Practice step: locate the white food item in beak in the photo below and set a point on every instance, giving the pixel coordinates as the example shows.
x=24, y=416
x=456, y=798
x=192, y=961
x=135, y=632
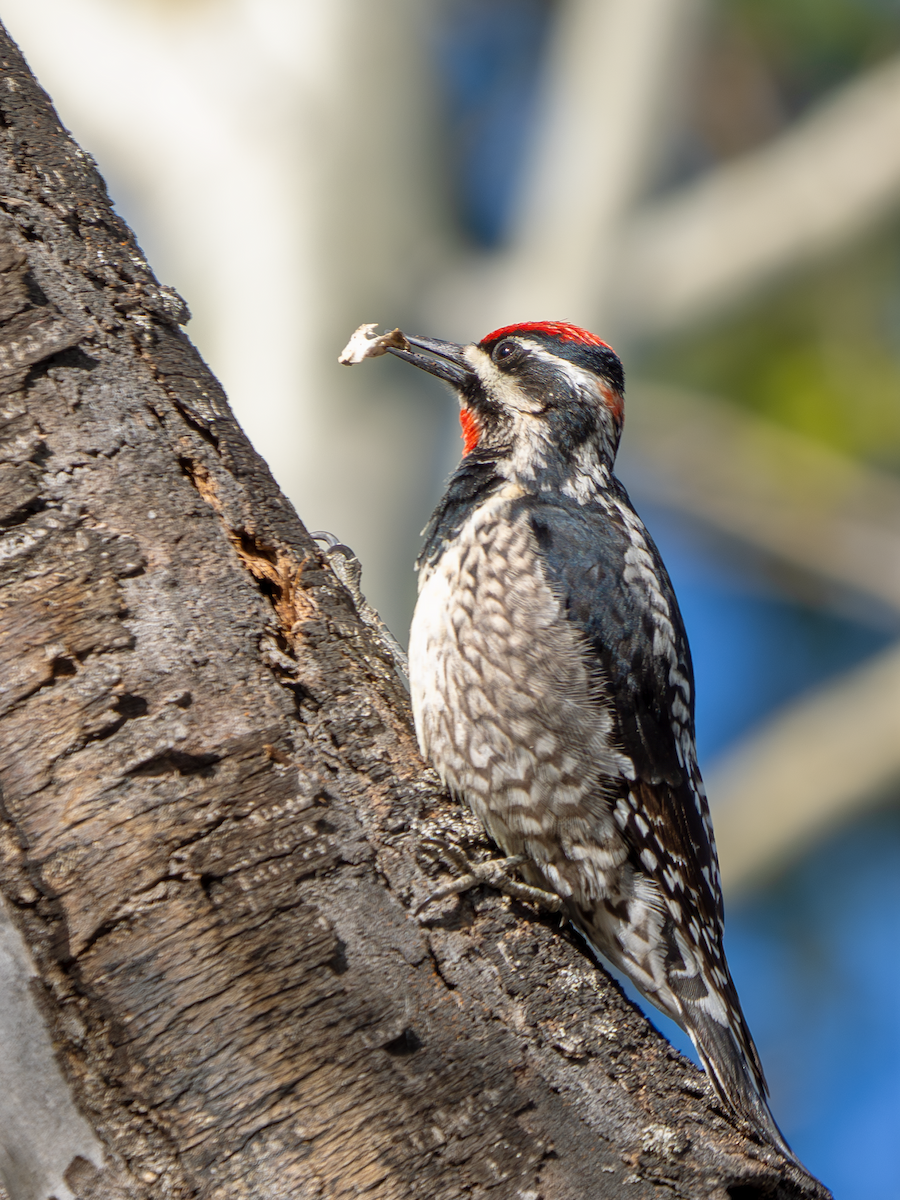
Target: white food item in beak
x=365, y=343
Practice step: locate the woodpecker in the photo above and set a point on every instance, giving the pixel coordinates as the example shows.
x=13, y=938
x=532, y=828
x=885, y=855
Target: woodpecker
x=552, y=685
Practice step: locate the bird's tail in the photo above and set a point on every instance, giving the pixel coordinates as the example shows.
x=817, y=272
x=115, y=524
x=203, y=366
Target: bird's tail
x=734, y=1069
x=697, y=991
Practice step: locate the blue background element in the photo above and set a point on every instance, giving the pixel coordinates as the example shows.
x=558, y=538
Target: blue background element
x=815, y=957
x=815, y=953
x=753, y=648
x=488, y=55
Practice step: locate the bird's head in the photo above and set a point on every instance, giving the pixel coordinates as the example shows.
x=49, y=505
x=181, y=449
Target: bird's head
x=542, y=399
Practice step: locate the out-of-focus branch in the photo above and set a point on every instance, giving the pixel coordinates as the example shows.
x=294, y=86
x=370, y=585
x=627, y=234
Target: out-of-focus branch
x=797, y=501
x=606, y=89
x=806, y=769
x=813, y=189
x=579, y=239
x=839, y=523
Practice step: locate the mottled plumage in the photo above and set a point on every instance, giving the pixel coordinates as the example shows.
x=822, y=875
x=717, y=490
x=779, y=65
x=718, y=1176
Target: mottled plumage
x=552, y=685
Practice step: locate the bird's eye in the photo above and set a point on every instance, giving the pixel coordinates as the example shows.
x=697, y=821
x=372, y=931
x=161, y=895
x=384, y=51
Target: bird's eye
x=504, y=351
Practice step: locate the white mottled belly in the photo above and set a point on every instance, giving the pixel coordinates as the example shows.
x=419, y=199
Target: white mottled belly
x=506, y=709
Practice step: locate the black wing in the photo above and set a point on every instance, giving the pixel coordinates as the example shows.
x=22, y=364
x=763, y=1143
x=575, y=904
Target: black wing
x=633, y=628
x=632, y=625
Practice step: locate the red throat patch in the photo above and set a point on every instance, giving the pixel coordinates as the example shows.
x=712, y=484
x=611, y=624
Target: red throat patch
x=614, y=402
x=470, y=430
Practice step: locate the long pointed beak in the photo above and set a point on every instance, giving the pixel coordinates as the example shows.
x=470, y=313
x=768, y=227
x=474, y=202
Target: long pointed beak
x=449, y=363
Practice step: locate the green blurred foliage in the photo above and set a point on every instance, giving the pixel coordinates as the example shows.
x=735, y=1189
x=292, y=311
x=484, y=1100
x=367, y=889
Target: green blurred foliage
x=821, y=352
x=810, y=45
x=820, y=355
x=765, y=61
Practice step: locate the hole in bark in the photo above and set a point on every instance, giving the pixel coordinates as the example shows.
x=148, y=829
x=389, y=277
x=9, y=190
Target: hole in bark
x=256, y=549
x=33, y=289
x=323, y=826
x=268, y=588
x=338, y=961
x=71, y=220
x=21, y=515
x=173, y=761
x=41, y=453
x=208, y=882
x=747, y=1191
x=304, y=697
x=200, y=478
x=63, y=667
x=406, y=1043
x=95, y=280
x=130, y=706
x=73, y=357
x=195, y=423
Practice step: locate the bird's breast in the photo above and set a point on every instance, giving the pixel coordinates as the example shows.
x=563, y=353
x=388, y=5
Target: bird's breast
x=505, y=702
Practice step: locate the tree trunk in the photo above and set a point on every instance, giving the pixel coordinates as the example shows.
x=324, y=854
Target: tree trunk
x=211, y=805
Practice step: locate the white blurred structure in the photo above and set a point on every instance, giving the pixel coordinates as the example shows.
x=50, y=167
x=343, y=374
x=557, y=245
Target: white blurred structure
x=41, y=1129
x=599, y=136
x=269, y=156
x=820, y=185
x=280, y=160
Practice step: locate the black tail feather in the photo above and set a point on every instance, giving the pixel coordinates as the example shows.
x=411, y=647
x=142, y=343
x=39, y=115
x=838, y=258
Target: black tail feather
x=736, y=1084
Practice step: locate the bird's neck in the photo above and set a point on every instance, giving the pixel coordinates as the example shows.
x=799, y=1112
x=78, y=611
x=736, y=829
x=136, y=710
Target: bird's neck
x=580, y=473
x=583, y=476
x=475, y=479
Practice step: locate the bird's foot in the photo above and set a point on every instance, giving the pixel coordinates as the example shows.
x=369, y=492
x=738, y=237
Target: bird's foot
x=492, y=871
x=348, y=569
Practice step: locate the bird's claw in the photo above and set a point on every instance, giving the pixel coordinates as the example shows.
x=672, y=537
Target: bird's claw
x=348, y=570
x=493, y=872
x=344, y=563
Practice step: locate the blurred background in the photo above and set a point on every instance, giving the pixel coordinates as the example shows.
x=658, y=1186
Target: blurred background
x=713, y=186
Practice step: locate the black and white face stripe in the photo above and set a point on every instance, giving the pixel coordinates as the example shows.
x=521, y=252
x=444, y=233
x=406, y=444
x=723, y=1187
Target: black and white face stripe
x=596, y=358
x=543, y=405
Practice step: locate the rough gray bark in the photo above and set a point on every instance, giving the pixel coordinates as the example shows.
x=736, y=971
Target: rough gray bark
x=210, y=802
